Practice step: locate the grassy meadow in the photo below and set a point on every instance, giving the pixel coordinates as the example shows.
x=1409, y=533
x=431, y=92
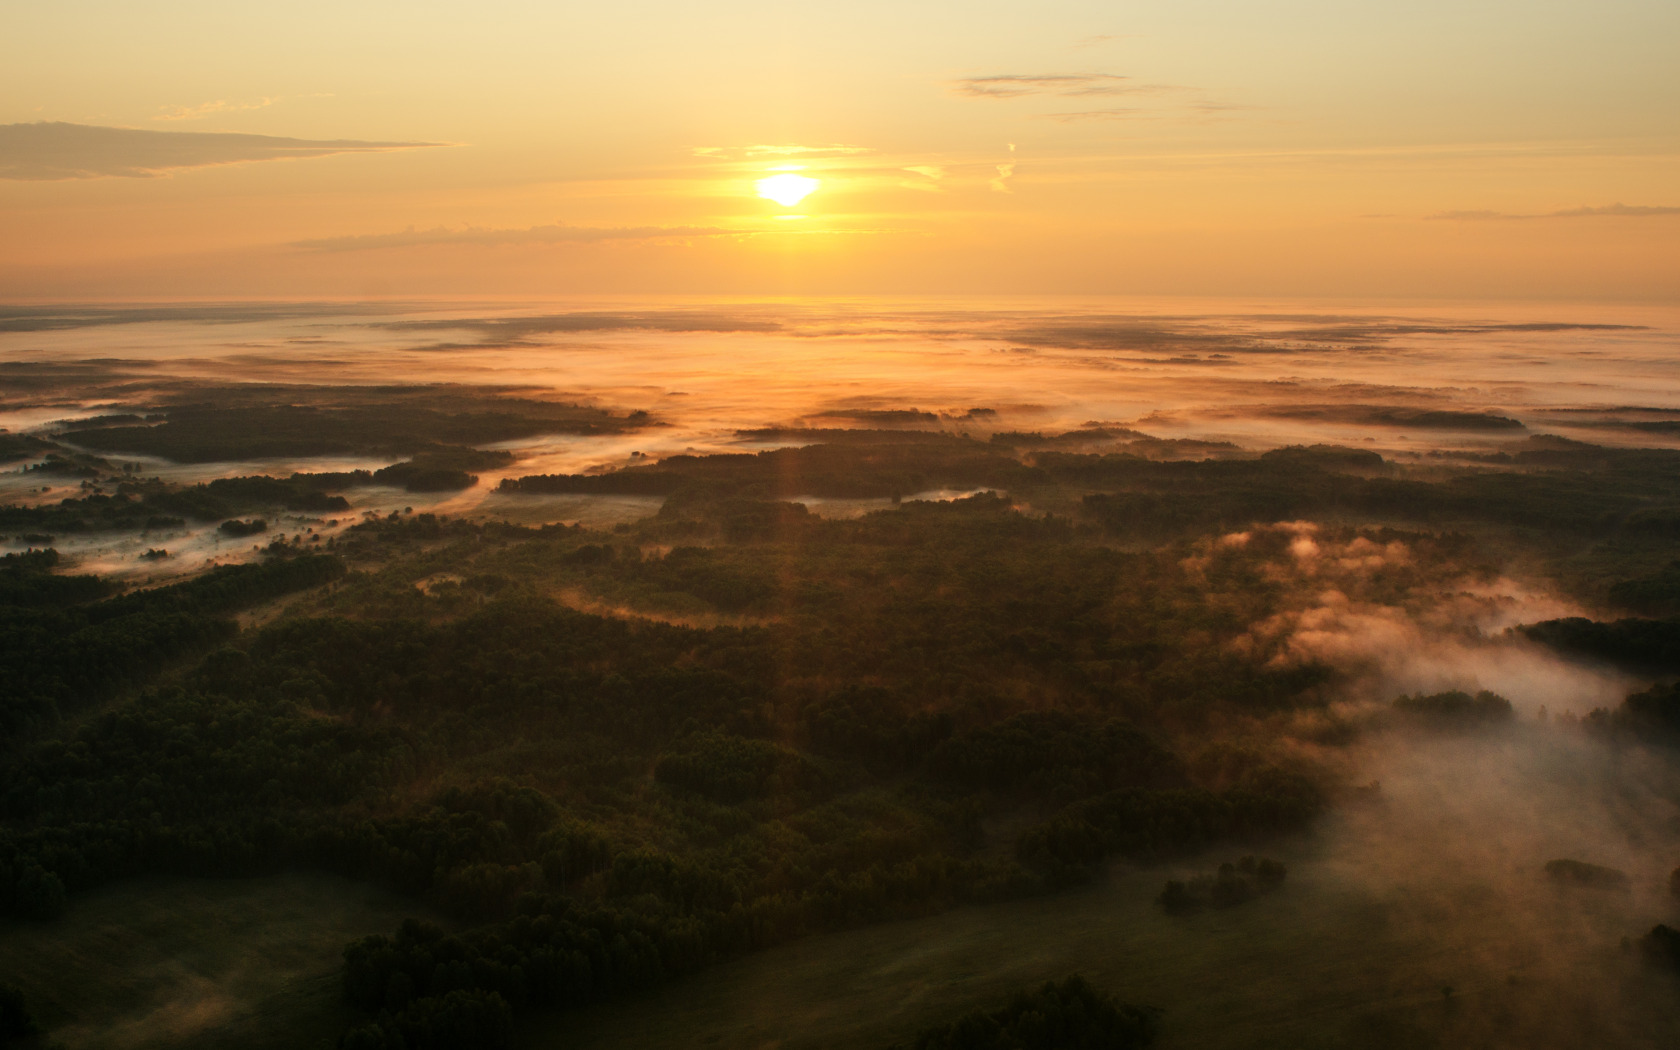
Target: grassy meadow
x=203, y=963
x=1323, y=964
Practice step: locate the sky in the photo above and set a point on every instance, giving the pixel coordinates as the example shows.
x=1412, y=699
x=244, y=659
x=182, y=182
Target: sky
x=363, y=148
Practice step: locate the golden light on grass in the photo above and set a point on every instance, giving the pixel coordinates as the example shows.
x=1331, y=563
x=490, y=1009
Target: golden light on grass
x=786, y=189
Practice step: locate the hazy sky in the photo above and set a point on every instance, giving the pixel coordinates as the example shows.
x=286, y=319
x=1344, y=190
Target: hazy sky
x=1208, y=147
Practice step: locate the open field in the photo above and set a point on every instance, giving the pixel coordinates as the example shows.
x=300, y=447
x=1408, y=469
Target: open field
x=1328, y=961
x=196, y=962
x=1418, y=917
x=1323, y=963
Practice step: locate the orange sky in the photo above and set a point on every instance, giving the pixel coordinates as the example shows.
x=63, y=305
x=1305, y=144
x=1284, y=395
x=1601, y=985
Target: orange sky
x=1203, y=147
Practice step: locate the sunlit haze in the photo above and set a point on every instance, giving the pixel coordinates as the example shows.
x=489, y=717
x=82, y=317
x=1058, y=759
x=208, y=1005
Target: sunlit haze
x=1208, y=147
x=786, y=189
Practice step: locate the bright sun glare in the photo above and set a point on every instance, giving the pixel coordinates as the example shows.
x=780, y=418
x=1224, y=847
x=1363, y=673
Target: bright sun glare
x=786, y=190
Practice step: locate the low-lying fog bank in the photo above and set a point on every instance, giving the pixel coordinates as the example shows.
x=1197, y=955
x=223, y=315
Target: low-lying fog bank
x=1228, y=378
x=1259, y=375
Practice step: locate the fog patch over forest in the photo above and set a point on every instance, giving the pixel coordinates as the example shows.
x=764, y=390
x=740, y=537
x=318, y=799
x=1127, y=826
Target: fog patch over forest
x=1450, y=842
x=1447, y=826
x=1348, y=608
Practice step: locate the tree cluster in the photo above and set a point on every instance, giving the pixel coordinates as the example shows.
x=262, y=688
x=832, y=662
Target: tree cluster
x=213, y=433
x=1069, y=1014
x=1580, y=873
x=1455, y=708
x=1154, y=824
x=59, y=654
x=1639, y=644
x=845, y=470
x=1232, y=885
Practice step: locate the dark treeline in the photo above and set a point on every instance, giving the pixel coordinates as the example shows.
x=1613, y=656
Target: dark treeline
x=61, y=650
x=142, y=504
x=1162, y=499
x=27, y=580
x=1593, y=876
x=1455, y=708
x=849, y=470
x=1652, y=715
x=1647, y=645
x=1662, y=946
x=1577, y=488
x=68, y=463
x=1083, y=436
x=225, y=497
x=1060, y=1015
x=1396, y=416
x=14, y=447
x=1057, y=754
x=360, y=423
x=1655, y=595
x=17, y=1024
x=238, y=529
x=1156, y=824
x=152, y=504
x=441, y=469
x=109, y=419
x=837, y=436
x=1231, y=885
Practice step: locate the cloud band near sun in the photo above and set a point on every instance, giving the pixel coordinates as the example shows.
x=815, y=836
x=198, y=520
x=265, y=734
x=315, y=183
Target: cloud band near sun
x=551, y=234
x=778, y=152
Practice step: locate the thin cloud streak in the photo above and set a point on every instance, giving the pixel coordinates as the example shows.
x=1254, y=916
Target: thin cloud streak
x=206, y=109
x=222, y=105
x=755, y=152
x=1068, y=85
x=551, y=234
x=1130, y=113
x=1626, y=211
x=58, y=151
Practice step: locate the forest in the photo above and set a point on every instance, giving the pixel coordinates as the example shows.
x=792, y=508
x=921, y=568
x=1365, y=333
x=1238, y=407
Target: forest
x=599, y=760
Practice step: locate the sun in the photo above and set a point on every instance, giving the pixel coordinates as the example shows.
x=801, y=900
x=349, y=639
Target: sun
x=786, y=190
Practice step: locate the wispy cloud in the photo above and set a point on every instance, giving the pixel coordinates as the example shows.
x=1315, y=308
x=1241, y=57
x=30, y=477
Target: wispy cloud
x=48, y=151
x=1630, y=211
x=223, y=105
x=832, y=149
x=1171, y=97
x=1210, y=107
x=1005, y=172
x=931, y=175
x=207, y=109
x=1196, y=110
x=1634, y=210
x=1124, y=113
x=551, y=234
x=1068, y=85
